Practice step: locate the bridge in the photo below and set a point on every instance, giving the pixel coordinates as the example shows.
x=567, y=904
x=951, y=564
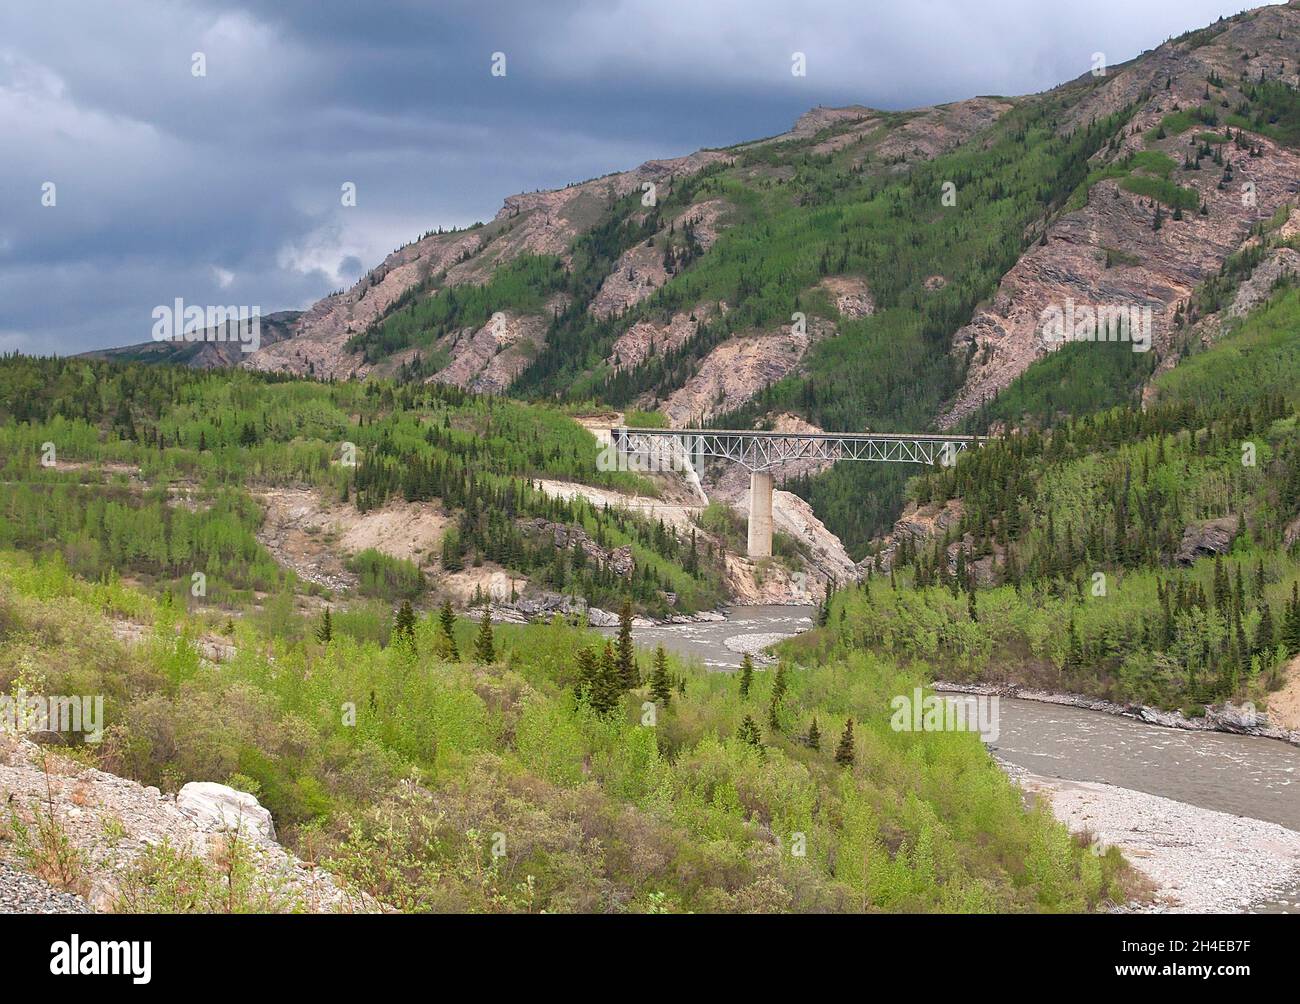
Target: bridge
x=760, y=452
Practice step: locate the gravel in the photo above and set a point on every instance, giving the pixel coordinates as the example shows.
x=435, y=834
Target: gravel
x=21, y=892
x=1200, y=860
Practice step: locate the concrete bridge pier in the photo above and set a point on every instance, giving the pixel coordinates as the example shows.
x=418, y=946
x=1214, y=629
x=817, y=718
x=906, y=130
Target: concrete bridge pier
x=760, y=514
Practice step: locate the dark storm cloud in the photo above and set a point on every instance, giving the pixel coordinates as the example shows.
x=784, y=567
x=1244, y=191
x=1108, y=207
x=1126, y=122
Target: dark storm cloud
x=225, y=189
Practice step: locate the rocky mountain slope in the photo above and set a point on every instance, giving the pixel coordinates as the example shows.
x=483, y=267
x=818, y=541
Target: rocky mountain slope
x=1189, y=94
x=865, y=269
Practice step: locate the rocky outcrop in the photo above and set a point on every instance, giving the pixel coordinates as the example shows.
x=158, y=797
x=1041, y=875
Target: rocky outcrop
x=1282, y=263
x=1157, y=268
x=917, y=525
x=218, y=808
x=619, y=559
x=111, y=822
x=736, y=370
x=641, y=270
x=1207, y=539
x=529, y=223
x=488, y=359
x=850, y=295
x=648, y=338
x=922, y=133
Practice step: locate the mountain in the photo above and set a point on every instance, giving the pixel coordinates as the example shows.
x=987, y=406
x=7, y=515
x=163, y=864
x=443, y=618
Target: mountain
x=920, y=247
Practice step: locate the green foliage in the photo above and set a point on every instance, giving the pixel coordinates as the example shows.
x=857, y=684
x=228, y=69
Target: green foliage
x=598, y=812
x=386, y=577
x=484, y=646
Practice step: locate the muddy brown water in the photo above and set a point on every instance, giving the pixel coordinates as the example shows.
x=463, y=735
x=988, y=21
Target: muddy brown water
x=1243, y=775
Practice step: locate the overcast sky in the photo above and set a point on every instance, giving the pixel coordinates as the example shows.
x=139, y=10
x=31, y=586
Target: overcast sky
x=225, y=188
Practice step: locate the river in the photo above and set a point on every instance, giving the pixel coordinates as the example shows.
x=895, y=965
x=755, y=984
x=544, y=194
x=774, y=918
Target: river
x=1242, y=775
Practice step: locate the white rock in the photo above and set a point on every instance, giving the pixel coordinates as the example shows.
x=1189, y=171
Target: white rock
x=221, y=808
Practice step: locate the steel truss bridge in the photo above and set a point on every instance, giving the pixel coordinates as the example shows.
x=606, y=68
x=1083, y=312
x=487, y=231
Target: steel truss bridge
x=760, y=452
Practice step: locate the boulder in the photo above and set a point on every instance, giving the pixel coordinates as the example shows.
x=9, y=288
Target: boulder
x=1206, y=539
x=220, y=808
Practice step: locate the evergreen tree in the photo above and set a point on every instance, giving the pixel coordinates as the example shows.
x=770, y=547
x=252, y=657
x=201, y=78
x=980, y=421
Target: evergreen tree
x=749, y=733
x=627, y=668
x=779, y=684
x=325, y=632
x=746, y=675
x=1291, y=630
x=484, y=646
x=588, y=675
x=844, y=754
x=447, y=625
x=814, y=740
x=1265, y=632
x=773, y=713
x=660, y=686
x=608, y=690
x=404, y=625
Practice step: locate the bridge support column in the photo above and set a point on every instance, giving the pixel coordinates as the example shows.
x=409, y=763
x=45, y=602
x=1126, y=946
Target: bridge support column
x=760, y=514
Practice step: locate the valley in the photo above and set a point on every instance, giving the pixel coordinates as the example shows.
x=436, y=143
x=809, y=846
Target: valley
x=396, y=587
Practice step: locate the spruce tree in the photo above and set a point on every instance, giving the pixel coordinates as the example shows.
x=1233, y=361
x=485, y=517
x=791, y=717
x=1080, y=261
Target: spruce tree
x=447, y=624
x=814, y=739
x=484, y=647
x=779, y=684
x=749, y=733
x=588, y=675
x=1265, y=632
x=628, y=672
x=773, y=714
x=746, y=675
x=404, y=625
x=1291, y=630
x=608, y=691
x=325, y=632
x=844, y=755
x=660, y=686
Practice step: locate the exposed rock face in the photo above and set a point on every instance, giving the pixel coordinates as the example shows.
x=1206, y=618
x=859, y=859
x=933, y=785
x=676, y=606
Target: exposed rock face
x=640, y=270
x=313, y=535
x=219, y=808
x=919, y=524
x=1206, y=539
x=938, y=130
x=851, y=295
x=926, y=132
x=111, y=821
x=530, y=223
x=768, y=581
x=619, y=559
x=736, y=370
x=646, y=338
x=1006, y=336
x=489, y=358
x=1281, y=263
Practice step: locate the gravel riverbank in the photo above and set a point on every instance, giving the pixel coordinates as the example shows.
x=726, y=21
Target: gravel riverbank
x=1200, y=860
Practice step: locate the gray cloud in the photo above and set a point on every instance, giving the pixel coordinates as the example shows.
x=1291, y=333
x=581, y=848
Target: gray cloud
x=225, y=189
